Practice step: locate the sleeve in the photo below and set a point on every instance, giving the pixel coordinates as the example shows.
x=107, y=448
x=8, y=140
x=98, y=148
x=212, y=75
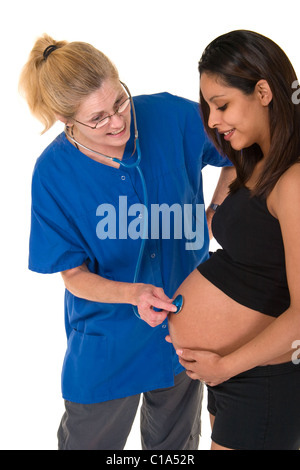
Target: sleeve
x=55, y=244
x=211, y=156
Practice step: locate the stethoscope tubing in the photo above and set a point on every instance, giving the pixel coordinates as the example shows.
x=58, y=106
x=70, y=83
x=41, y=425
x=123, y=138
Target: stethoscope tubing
x=179, y=300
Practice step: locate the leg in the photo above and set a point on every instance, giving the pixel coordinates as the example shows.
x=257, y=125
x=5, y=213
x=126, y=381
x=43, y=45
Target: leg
x=258, y=410
x=215, y=446
x=99, y=426
x=212, y=420
x=171, y=417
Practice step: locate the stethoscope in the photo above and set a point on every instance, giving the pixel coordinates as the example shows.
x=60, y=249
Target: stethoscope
x=178, y=302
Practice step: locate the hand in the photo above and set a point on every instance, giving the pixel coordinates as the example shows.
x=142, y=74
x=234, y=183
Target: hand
x=148, y=297
x=205, y=366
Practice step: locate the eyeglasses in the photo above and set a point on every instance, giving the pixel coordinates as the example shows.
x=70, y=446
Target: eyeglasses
x=121, y=110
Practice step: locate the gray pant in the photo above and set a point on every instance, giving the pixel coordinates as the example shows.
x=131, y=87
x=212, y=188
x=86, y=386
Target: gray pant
x=170, y=420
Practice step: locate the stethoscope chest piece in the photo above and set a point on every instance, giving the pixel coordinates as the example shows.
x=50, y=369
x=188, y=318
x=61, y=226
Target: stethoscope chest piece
x=178, y=302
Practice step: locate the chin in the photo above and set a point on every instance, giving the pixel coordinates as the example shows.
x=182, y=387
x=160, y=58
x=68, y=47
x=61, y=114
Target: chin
x=238, y=147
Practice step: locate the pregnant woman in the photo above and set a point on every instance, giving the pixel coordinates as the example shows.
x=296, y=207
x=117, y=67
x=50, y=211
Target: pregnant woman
x=241, y=317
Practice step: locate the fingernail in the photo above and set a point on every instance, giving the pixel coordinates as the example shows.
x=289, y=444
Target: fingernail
x=179, y=352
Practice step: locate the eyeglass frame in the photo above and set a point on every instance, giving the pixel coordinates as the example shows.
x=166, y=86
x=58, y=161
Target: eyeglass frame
x=109, y=116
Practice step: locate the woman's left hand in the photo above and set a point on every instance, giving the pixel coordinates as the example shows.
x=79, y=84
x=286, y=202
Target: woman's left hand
x=206, y=366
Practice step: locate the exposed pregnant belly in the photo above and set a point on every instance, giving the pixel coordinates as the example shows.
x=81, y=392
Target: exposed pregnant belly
x=210, y=320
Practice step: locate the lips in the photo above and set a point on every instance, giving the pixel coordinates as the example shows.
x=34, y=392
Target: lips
x=118, y=132
x=228, y=134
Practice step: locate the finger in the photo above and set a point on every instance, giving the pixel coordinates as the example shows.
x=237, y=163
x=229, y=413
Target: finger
x=159, y=293
x=154, y=319
x=188, y=365
x=162, y=302
x=158, y=316
x=161, y=305
x=192, y=375
x=168, y=339
x=186, y=354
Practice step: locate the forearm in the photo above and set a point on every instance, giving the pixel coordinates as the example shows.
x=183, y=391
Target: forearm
x=227, y=175
x=86, y=285
x=272, y=343
x=275, y=342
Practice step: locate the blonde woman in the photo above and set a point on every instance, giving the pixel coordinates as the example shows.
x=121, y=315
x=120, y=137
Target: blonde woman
x=87, y=214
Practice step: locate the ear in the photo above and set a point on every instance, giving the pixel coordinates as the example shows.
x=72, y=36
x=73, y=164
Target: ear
x=64, y=120
x=264, y=92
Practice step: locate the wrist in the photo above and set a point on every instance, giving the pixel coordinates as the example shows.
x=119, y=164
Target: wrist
x=213, y=206
x=229, y=367
x=133, y=293
x=120, y=292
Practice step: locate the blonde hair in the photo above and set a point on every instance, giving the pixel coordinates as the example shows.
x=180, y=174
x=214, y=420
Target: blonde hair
x=56, y=85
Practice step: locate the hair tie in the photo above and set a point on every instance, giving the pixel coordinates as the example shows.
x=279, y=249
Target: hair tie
x=48, y=51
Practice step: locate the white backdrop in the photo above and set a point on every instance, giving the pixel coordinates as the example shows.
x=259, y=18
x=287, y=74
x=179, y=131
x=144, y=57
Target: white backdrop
x=156, y=46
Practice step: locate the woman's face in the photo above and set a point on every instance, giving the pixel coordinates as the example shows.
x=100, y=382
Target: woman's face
x=110, y=139
x=242, y=120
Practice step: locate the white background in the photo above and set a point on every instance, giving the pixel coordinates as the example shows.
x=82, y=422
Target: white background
x=156, y=46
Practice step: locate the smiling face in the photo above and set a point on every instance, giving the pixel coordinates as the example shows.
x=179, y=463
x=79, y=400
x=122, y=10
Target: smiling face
x=111, y=138
x=241, y=119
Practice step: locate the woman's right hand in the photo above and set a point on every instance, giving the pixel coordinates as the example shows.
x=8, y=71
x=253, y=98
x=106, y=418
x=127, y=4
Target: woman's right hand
x=147, y=298
x=86, y=285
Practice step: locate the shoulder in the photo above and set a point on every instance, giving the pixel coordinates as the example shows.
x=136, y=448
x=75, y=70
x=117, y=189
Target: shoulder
x=50, y=154
x=290, y=180
x=53, y=169
x=163, y=98
x=169, y=113
x=166, y=101
x=286, y=193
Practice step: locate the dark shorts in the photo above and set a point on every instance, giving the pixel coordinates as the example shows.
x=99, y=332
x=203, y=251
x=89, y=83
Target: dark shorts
x=258, y=409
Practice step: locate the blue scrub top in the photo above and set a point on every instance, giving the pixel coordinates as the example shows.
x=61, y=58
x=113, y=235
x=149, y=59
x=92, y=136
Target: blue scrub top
x=111, y=353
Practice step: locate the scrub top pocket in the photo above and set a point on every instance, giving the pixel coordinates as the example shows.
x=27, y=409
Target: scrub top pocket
x=85, y=371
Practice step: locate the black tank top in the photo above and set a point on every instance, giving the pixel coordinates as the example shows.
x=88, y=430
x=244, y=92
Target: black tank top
x=250, y=267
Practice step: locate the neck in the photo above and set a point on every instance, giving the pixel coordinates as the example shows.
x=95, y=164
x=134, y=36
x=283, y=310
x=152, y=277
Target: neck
x=258, y=169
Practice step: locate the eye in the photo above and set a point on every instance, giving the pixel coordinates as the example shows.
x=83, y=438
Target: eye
x=222, y=108
x=97, y=118
x=100, y=118
x=120, y=101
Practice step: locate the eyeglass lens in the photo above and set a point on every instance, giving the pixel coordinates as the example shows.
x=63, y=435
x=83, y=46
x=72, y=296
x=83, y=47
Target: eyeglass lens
x=121, y=109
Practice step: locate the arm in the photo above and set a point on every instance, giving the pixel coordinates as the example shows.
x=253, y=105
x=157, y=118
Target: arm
x=84, y=284
x=228, y=174
x=277, y=339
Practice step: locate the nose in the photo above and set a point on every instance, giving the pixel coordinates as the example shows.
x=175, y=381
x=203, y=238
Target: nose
x=116, y=120
x=213, y=119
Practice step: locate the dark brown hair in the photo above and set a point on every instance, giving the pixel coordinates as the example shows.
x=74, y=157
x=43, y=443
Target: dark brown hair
x=240, y=59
